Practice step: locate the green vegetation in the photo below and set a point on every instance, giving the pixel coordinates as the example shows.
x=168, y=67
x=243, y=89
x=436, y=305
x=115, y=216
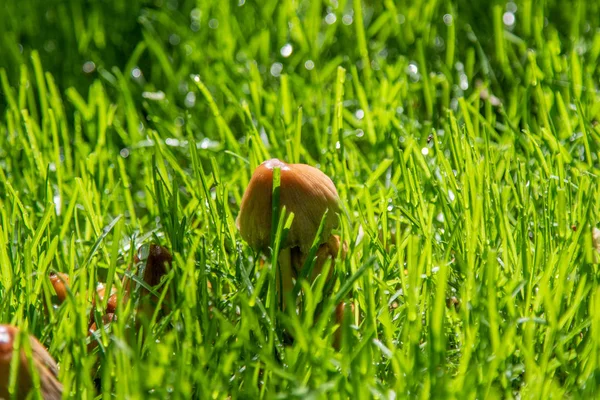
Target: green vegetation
x=463, y=139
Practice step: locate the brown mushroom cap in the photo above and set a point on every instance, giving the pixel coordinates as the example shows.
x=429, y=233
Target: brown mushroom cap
x=47, y=368
x=60, y=282
x=304, y=190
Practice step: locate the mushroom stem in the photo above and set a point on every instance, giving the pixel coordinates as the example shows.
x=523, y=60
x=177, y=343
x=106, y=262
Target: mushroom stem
x=284, y=273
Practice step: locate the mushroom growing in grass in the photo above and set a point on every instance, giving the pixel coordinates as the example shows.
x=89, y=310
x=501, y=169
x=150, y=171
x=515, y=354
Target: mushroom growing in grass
x=305, y=191
x=156, y=266
x=45, y=367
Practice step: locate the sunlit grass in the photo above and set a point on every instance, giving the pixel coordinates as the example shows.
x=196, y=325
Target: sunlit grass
x=464, y=149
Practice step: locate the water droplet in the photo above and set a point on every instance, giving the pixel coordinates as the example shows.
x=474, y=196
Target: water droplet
x=347, y=19
x=89, y=67
x=213, y=23
x=50, y=46
x=330, y=18
x=136, y=72
x=508, y=18
x=174, y=39
x=276, y=69
x=190, y=99
x=359, y=114
x=425, y=151
x=156, y=96
x=448, y=19
x=309, y=65
x=463, y=82
x=286, y=50
x=124, y=152
x=57, y=203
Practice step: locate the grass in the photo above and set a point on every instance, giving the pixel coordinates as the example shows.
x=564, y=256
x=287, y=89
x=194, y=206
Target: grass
x=464, y=146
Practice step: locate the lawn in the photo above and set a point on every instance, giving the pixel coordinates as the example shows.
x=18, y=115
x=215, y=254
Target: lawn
x=463, y=138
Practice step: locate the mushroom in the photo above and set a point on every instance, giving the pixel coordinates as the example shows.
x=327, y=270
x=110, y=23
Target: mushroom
x=60, y=283
x=305, y=191
x=46, y=367
x=159, y=258
x=596, y=242
x=157, y=265
x=341, y=311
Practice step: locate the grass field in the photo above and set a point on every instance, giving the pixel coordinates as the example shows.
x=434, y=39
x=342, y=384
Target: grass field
x=464, y=141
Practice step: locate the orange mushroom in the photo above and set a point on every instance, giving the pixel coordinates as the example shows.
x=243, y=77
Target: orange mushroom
x=45, y=366
x=305, y=191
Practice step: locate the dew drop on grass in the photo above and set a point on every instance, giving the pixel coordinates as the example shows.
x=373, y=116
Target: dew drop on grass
x=57, y=203
x=330, y=18
x=213, y=23
x=347, y=19
x=156, y=96
x=172, y=142
x=464, y=82
x=276, y=69
x=309, y=65
x=174, y=39
x=508, y=18
x=136, y=73
x=190, y=99
x=124, y=152
x=286, y=50
x=451, y=195
x=448, y=19
x=89, y=67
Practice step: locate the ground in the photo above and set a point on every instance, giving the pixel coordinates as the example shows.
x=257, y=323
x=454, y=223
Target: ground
x=463, y=138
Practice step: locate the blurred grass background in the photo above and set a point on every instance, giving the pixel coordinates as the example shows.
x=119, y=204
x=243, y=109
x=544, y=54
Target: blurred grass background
x=462, y=136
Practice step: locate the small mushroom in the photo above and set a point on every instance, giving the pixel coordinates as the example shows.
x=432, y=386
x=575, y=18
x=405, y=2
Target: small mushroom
x=305, y=191
x=46, y=367
x=157, y=265
x=340, y=311
x=596, y=244
x=60, y=282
